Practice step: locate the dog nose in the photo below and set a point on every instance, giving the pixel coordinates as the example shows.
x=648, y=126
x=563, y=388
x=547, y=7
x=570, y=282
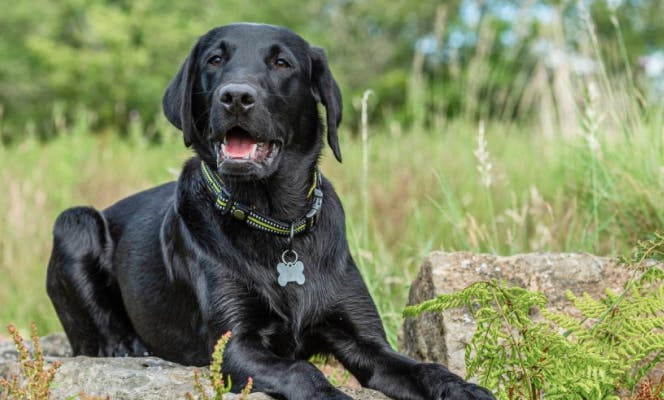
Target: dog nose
x=237, y=97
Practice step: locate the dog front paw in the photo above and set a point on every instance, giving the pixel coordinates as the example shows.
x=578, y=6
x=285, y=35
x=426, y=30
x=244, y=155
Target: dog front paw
x=444, y=385
x=125, y=347
x=464, y=391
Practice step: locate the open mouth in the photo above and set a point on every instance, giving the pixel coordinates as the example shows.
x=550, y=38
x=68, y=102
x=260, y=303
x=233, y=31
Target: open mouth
x=239, y=145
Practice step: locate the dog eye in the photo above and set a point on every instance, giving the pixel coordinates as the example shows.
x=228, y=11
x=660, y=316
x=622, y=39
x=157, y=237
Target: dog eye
x=215, y=60
x=281, y=63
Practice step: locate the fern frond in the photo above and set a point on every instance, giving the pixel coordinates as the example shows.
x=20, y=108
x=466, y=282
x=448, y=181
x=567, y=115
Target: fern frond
x=590, y=307
x=644, y=326
x=476, y=292
x=652, y=275
x=639, y=347
x=568, y=323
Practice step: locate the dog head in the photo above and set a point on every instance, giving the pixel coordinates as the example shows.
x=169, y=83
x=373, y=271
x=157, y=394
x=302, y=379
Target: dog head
x=246, y=97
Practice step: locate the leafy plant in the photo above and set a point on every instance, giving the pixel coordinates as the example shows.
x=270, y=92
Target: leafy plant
x=34, y=378
x=219, y=385
x=611, y=343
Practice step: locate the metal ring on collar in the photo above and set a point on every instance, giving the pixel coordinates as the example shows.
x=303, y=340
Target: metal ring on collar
x=293, y=252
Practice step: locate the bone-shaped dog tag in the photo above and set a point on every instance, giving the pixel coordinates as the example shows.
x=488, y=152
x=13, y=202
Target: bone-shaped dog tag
x=290, y=271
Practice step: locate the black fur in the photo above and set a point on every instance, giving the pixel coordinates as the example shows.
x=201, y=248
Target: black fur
x=163, y=272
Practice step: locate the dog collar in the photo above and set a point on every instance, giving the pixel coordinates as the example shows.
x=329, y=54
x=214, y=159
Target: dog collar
x=225, y=203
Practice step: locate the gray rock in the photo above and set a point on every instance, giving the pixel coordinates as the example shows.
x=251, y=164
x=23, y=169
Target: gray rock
x=442, y=337
x=122, y=378
x=145, y=378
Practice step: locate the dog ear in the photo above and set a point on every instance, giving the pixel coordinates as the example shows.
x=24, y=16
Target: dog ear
x=326, y=90
x=177, y=100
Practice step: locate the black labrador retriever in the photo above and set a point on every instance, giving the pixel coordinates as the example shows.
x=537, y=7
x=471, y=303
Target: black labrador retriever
x=250, y=239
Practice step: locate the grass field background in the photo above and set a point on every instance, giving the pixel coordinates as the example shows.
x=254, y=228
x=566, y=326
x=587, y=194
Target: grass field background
x=461, y=185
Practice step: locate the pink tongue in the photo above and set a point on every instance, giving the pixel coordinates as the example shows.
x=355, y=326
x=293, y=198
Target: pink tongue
x=239, y=147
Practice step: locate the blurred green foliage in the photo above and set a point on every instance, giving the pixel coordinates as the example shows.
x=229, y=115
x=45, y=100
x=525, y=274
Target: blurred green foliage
x=115, y=57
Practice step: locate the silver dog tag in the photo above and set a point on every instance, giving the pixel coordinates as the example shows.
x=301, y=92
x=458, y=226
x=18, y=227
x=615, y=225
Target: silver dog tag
x=290, y=271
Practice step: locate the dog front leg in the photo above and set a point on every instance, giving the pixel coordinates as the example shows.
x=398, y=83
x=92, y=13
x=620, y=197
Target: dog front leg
x=280, y=377
x=355, y=333
x=377, y=366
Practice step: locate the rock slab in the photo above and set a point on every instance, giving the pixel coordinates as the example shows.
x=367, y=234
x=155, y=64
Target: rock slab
x=442, y=337
x=143, y=378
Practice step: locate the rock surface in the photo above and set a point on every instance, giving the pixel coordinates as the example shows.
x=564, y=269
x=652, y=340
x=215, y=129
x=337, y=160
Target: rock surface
x=442, y=337
x=145, y=378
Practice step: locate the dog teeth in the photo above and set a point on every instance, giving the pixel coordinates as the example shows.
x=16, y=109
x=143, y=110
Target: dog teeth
x=256, y=151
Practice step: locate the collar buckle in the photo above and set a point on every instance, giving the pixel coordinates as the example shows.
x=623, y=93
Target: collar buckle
x=240, y=211
x=316, y=204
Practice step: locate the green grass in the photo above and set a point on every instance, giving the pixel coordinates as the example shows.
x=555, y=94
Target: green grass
x=424, y=193
x=546, y=195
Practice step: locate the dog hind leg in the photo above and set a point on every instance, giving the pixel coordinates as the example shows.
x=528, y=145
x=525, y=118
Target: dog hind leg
x=83, y=290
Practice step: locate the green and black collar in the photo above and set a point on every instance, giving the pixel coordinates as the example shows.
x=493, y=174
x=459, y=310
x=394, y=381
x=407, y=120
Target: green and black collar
x=225, y=203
